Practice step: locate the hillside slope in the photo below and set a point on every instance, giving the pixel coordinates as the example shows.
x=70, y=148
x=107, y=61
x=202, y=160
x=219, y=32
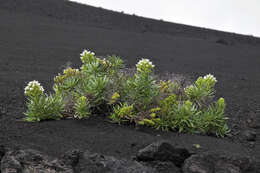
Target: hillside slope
x=97, y=17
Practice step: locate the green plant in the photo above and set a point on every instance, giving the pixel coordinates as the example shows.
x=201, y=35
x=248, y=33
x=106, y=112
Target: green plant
x=183, y=116
x=114, y=98
x=44, y=108
x=168, y=103
x=152, y=119
x=95, y=88
x=65, y=83
x=115, y=64
x=103, y=86
x=91, y=65
x=82, y=108
x=40, y=106
x=122, y=112
x=213, y=120
x=202, y=90
x=141, y=89
x=166, y=113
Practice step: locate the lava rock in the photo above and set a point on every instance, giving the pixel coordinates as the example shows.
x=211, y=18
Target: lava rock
x=2, y=151
x=163, y=151
x=249, y=135
x=70, y=158
x=222, y=41
x=98, y=163
x=253, y=120
x=31, y=161
x=163, y=167
x=218, y=163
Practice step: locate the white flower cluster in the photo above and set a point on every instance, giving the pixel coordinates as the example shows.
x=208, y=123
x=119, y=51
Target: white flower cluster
x=211, y=77
x=86, y=52
x=144, y=63
x=31, y=85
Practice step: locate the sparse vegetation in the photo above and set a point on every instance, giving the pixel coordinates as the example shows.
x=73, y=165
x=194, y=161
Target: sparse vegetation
x=101, y=85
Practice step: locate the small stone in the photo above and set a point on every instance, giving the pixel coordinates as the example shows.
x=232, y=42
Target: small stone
x=197, y=146
x=215, y=163
x=163, y=167
x=163, y=151
x=252, y=144
x=253, y=120
x=95, y=162
x=249, y=135
x=70, y=158
x=133, y=145
x=31, y=161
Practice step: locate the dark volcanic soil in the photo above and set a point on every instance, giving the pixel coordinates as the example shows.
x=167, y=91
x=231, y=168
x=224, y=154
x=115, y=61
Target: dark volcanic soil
x=37, y=38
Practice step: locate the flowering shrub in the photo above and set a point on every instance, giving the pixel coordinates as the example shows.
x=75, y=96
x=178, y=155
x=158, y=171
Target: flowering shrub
x=40, y=106
x=101, y=85
x=142, y=89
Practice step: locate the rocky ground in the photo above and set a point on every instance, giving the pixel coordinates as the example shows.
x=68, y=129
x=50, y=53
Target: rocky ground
x=161, y=156
x=37, y=40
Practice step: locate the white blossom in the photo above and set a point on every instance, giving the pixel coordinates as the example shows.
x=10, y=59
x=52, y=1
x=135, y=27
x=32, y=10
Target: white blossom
x=211, y=77
x=86, y=52
x=31, y=85
x=144, y=64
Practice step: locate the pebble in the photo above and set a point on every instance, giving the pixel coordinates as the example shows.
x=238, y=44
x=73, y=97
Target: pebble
x=249, y=135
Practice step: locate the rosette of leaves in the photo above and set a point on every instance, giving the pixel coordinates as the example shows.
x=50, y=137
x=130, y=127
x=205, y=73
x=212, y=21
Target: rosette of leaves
x=82, y=108
x=44, y=108
x=184, y=115
x=96, y=89
x=213, y=120
x=92, y=65
x=66, y=83
x=122, y=112
x=202, y=90
x=166, y=112
x=177, y=115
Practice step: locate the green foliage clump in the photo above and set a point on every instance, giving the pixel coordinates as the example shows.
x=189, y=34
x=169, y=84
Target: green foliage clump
x=123, y=112
x=102, y=85
x=40, y=106
x=44, y=108
x=141, y=89
x=82, y=108
x=183, y=116
x=202, y=90
x=213, y=120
